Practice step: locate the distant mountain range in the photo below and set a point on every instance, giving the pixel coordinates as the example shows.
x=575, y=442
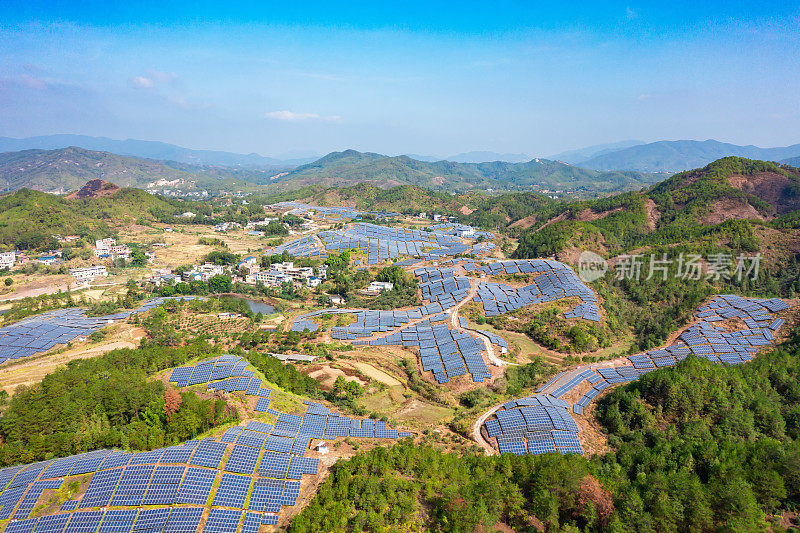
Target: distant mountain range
x=674, y=156
x=150, y=150
x=575, y=157
x=350, y=167
x=473, y=157
x=67, y=169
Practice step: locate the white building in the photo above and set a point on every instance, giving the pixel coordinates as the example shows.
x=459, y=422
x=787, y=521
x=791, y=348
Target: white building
x=313, y=281
x=380, y=286
x=88, y=273
x=121, y=251
x=465, y=231
x=7, y=260
x=204, y=272
x=272, y=278
x=103, y=247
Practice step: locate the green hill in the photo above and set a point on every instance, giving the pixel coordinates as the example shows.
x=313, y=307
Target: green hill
x=29, y=218
x=677, y=210
x=68, y=169
x=541, y=175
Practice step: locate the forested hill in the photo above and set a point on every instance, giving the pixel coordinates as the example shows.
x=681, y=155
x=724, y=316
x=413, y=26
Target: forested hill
x=350, y=166
x=68, y=169
x=723, y=194
x=29, y=218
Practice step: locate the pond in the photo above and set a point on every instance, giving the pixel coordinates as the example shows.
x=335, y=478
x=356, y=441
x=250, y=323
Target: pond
x=259, y=307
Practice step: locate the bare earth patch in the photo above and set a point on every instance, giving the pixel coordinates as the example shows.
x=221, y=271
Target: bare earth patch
x=727, y=208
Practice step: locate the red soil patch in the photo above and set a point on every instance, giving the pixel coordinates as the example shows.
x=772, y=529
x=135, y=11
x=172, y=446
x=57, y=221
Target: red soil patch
x=653, y=214
x=588, y=215
x=775, y=189
x=94, y=189
x=728, y=208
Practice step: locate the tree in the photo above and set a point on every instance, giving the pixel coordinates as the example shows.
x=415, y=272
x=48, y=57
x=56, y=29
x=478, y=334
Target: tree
x=172, y=402
x=138, y=258
x=219, y=284
x=8, y=282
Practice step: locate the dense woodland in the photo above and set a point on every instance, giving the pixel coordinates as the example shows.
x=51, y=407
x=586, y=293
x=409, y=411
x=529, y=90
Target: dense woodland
x=107, y=401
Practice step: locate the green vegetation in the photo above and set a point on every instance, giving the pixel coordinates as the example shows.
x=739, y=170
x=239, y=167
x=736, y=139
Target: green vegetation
x=70, y=168
x=28, y=219
x=351, y=166
x=413, y=488
x=402, y=294
x=697, y=447
x=106, y=401
x=273, y=228
x=212, y=241
x=703, y=445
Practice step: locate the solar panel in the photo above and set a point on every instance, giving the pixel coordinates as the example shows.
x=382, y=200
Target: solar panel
x=232, y=491
x=222, y=521
x=242, y=460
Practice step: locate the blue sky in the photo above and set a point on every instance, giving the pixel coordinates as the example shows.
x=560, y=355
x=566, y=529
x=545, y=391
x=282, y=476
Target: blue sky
x=426, y=78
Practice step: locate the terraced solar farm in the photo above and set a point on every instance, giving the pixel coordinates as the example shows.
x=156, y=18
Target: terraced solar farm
x=382, y=243
x=243, y=478
x=39, y=333
x=449, y=350
x=521, y=426
x=331, y=213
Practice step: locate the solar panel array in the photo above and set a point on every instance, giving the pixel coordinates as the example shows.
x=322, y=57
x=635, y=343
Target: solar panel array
x=536, y=424
x=42, y=332
x=257, y=470
x=382, y=243
x=307, y=246
x=451, y=228
x=228, y=372
x=703, y=339
x=553, y=281
x=333, y=213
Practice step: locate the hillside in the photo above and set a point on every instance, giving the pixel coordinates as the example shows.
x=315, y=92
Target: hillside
x=690, y=205
x=69, y=168
x=674, y=156
x=147, y=149
x=29, y=218
x=350, y=166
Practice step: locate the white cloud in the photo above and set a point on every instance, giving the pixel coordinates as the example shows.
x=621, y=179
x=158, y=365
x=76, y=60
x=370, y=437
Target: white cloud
x=144, y=83
x=630, y=13
x=290, y=116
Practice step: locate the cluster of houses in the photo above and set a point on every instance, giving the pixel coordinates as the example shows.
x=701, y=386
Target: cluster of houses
x=227, y=226
x=109, y=249
x=437, y=218
x=251, y=272
x=280, y=273
x=9, y=260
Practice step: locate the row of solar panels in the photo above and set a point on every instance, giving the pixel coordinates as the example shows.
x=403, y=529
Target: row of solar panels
x=40, y=333
x=703, y=338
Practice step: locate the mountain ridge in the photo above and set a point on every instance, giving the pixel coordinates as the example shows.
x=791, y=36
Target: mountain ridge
x=146, y=149
x=350, y=166
x=676, y=156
